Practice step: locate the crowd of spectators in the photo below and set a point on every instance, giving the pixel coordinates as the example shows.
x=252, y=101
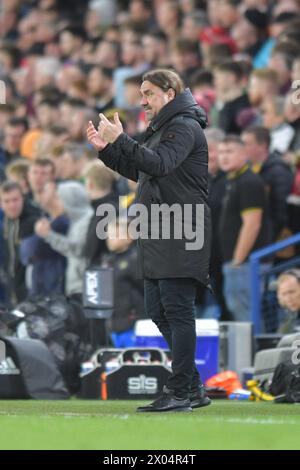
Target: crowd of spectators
x=64, y=62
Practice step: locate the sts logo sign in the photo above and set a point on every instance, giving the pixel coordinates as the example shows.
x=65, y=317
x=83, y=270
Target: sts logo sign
x=142, y=385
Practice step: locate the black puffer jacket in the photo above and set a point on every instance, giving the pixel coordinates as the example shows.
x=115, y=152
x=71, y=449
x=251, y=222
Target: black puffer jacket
x=171, y=168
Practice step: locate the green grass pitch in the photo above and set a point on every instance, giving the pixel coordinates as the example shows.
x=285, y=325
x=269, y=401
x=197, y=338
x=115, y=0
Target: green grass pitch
x=111, y=425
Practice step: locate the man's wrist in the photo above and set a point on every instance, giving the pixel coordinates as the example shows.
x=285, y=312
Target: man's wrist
x=117, y=137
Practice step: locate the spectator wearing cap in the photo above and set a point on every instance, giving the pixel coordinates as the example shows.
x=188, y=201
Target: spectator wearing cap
x=288, y=294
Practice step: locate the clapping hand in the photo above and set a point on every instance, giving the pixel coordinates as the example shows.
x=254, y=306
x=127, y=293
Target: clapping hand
x=110, y=131
x=94, y=138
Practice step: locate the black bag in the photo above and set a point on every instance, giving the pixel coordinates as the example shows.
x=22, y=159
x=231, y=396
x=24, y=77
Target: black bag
x=29, y=371
x=285, y=385
x=58, y=322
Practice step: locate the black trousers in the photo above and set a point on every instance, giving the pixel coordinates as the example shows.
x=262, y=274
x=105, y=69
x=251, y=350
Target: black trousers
x=170, y=303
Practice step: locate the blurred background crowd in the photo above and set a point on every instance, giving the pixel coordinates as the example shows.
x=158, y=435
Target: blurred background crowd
x=64, y=62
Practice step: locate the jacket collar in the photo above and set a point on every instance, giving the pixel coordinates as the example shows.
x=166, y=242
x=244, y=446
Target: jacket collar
x=185, y=102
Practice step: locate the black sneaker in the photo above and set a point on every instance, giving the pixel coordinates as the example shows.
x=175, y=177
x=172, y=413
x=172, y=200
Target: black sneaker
x=167, y=402
x=199, y=398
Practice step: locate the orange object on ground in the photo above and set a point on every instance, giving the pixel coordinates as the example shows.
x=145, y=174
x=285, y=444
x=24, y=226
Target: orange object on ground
x=228, y=380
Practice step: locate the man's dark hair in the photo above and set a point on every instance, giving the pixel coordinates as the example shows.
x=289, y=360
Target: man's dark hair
x=74, y=30
x=43, y=162
x=147, y=4
x=18, y=121
x=74, y=102
x=135, y=80
x=165, y=79
x=50, y=92
x=13, y=52
x=9, y=186
x=186, y=46
x=202, y=77
x=291, y=32
x=232, y=67
x=106, y=72
x=50, y=102
x=157, y=34
x=219, y=53
x=283, y=18
x=232, y=139
x=261, y=134
x=233, y=3
x=57, y=130
x=288, y=50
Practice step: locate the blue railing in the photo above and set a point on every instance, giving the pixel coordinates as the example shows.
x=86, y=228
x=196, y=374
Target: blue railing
x=256, y=274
